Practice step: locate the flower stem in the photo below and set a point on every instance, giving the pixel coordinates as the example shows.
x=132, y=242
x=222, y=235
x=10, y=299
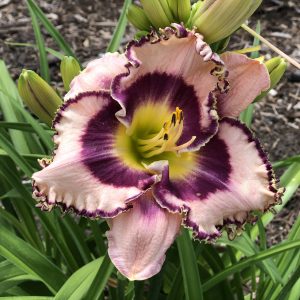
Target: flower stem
x=263, y=40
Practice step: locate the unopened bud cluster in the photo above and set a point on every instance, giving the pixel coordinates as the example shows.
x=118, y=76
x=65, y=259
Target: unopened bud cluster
x=214, y=19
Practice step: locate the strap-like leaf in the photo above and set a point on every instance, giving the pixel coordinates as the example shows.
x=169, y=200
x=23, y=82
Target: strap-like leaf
x=88, y=282
x=30, y=260
x=120, y=29
x=189, y=267
x=249, y=261
x=63, y=45
x=44, y=68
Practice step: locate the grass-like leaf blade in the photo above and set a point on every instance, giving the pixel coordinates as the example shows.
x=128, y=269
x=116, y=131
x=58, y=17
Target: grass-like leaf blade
x=30, y=260
x=189, y=267
x=291, y=181
x=49, y=50
x=8, y=95
x=287, y=288
x=63, y=45
x=249, y=261
x=101, y=278
x=120, y=29
x=88, y=282
x=14, y=155
x=44, y=68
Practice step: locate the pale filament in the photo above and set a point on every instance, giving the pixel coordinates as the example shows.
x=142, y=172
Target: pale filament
x=165, y=140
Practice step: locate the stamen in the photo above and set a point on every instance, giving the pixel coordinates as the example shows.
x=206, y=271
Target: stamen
x=166, y=139
x=150, y=146
x=185, y=145
x=154, y=139
x=178, y=132
x=173, y=119
x=155, y=152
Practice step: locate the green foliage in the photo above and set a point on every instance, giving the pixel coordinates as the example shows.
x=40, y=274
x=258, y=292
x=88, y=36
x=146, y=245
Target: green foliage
x=188, y=263
x=51, y=256
x=120, y=29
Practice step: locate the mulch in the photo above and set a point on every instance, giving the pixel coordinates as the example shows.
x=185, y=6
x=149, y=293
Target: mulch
x=88, y=26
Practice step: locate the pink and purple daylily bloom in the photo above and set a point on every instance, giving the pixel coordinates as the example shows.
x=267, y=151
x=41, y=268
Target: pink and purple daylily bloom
x=149, y=140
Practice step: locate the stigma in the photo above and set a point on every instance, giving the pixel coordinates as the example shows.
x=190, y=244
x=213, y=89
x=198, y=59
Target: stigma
x=166, y=139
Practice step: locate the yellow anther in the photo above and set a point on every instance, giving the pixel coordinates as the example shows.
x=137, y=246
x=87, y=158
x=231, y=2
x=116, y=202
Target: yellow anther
x=178, y=114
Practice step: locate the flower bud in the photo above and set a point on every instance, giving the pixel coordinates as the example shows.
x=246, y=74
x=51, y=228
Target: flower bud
x=181, y=9
x=140, y=34
x=276, y=67
x=158, y=12
x=195, y=8
x=69, y=68
x=217, y=19
x=137, y=17
x=38, y=95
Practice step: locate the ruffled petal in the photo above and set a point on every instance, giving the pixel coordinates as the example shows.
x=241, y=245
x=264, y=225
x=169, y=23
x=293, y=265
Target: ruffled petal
x=232, y=178
x=177, y=69
x=247, y=79
x=86, y=174
x=98, y=74
x=139, y=238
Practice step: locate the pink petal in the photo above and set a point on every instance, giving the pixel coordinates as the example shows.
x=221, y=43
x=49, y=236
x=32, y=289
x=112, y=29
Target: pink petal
x=86, y=174
x=247, y=79
x=98, y=74
x=139, y=238
x=231, y=179
x=177, y=69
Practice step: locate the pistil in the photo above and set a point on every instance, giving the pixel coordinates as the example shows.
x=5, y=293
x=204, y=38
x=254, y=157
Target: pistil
x=166, y=139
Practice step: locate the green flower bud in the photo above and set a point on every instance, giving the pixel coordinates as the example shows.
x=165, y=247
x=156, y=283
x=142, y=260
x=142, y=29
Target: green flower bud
x=278, y=72
x=276, y=67
x=69, y=68
x=273, y=63
x=217, y=19
x=39, y=96
x=137, y=17
x=195, y=8
x=158, y=12
x=140, y=34
x=181, y=9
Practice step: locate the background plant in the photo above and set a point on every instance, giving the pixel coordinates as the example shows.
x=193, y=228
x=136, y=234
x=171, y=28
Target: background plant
x=50, y=256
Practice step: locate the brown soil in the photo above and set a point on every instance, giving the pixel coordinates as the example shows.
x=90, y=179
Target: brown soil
x=88, y=25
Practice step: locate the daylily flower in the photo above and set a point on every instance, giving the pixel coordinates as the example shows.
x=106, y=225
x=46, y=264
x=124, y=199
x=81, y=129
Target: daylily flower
x=148, y=139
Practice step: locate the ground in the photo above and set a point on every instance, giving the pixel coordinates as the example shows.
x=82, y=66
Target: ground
x=88, y=25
